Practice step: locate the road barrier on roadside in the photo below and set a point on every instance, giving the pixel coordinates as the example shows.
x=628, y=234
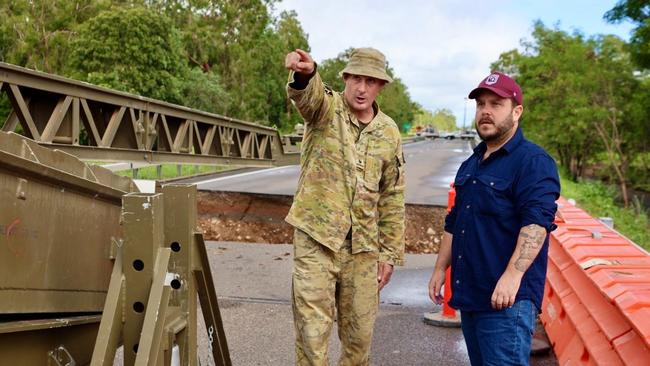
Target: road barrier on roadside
x=448, y=317
x=596, y=308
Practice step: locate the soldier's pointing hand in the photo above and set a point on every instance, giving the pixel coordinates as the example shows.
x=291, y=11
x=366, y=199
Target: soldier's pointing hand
x=300, y=62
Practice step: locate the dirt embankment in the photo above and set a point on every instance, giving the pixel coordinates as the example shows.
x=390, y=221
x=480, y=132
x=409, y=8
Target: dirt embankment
x=257, y=218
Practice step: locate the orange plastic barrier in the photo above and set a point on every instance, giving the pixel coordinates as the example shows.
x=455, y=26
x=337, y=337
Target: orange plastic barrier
x=447, y=311
x=448, y=317
x=596, y=308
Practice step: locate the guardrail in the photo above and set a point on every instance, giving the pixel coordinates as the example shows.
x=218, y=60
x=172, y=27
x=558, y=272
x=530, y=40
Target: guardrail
x=412, y=139
x=596, y=308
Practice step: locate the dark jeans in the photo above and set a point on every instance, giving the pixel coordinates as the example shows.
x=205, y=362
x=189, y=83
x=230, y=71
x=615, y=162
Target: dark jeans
x=500, y=337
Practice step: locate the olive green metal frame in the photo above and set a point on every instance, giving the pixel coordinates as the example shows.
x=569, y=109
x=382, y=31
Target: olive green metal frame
x=100, y=124
x=159, y=271
x=87, y=264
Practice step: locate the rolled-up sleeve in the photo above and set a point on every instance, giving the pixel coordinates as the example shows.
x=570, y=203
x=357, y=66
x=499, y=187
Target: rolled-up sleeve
x=450, y=221
x=536, y=192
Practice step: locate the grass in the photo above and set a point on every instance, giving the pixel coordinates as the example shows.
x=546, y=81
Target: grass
x=598, y=200
x=170, y=171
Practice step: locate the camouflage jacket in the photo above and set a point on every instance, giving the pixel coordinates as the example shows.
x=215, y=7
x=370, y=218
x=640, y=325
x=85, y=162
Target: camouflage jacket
x=349, y=177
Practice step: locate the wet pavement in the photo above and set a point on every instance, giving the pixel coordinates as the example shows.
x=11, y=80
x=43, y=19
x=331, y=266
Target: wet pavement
x=253, y=282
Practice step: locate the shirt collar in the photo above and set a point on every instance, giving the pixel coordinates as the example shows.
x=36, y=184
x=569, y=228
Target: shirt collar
x=509, y=146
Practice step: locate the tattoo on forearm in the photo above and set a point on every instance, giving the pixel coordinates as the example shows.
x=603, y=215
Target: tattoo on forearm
x=532, y=237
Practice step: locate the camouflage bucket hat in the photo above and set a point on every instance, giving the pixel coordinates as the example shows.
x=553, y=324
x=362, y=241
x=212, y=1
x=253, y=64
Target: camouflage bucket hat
x=367, y=62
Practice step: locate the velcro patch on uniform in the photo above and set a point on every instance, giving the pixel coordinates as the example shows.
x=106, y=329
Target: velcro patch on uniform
x=328, y=89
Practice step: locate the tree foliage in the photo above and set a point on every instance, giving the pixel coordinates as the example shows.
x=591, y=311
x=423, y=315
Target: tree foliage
x=131, y=49
x=579, y=98
x=441, y=119
x=36, y=33
x=638, y=12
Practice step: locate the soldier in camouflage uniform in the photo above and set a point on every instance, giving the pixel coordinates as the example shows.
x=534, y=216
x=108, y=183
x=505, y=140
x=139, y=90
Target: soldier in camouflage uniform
x=348, y=211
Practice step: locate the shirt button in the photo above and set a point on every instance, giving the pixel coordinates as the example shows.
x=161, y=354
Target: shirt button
x=457, y=282
x=468, y=206
x=491, y=183
x=473, y=182
x=460, y=256
x=462, y=231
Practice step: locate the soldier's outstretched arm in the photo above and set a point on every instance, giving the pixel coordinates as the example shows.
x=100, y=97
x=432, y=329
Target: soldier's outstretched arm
x=306, y=89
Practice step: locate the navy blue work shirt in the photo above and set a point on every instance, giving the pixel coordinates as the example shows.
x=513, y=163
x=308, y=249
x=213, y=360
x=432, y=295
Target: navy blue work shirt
x=515, y=186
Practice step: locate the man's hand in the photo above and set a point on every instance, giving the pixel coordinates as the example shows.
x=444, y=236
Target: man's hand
x=435, y=286
x=300, y=62
x=506, y=290
x=384, y=271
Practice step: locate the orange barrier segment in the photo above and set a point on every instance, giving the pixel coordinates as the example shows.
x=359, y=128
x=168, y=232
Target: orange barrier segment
x=448, y=311
x=448, y=317
x=596, y=308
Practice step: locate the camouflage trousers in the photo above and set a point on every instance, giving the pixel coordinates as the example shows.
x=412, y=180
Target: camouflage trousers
x=328, y=284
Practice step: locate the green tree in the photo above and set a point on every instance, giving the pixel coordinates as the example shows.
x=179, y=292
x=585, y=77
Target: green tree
x=131, y=49
x=442, y=119
x=292, y=36
x=330, y=69
x=396, y=102
x=577, y=99
x=638, y=12
x=245, y=45
x=36, y=33
x=204, y=91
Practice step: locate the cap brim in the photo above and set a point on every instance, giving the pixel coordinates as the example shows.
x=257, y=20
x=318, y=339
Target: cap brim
x=474, y=93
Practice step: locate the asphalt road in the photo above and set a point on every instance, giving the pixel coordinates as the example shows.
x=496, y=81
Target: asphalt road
x=253, y=283
x=430, y=166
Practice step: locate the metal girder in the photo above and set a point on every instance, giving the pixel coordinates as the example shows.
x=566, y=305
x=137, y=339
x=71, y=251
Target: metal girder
x=155, y=157
x=102, y=124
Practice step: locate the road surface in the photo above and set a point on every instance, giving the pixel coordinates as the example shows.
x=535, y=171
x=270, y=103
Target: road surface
x=430, y=166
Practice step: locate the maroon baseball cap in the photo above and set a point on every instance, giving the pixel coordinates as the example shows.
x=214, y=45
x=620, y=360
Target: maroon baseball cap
x=501, y=84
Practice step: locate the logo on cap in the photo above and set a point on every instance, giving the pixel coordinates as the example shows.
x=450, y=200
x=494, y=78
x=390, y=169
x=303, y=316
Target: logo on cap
x=492, y=79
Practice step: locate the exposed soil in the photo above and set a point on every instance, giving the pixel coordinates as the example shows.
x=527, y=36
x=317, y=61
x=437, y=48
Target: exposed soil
x=257, y=218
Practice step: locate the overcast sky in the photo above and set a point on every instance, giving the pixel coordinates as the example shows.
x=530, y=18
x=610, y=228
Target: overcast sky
x=441, y=49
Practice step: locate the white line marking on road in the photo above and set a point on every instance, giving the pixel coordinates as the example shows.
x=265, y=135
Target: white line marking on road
x=242, y=174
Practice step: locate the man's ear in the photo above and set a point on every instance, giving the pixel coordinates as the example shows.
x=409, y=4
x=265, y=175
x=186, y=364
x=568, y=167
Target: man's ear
x=517, y=112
